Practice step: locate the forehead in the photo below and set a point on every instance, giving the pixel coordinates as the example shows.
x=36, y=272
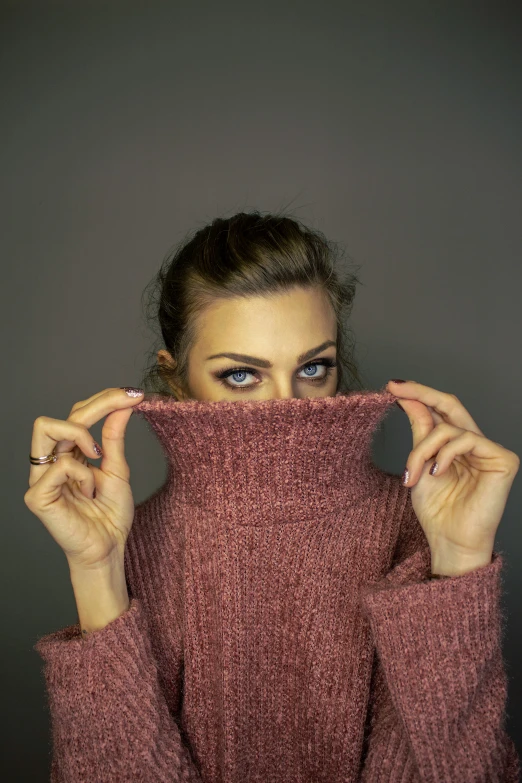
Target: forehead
x=298, y=304
x=287, y=323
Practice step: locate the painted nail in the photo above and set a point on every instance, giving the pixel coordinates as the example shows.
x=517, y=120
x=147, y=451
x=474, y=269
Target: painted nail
x=397, y=380
x=132, y=391
x=97, y=449
x=434, y=468
x=405, y=476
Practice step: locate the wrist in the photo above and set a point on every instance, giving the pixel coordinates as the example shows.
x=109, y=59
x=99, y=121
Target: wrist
x=101, y=595
x=450, y=563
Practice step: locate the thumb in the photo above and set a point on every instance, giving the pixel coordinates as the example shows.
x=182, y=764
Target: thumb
x=113, y=443
x=420, y=418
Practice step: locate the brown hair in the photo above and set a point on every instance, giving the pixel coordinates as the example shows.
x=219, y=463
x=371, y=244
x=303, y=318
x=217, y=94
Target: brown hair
x=248, y=254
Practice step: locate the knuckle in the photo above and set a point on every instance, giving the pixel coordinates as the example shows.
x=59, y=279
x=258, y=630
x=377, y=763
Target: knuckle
x=29, y=499
x=109, y=430
x=109, y=433
x=80, y=428
x=40, y=421
x=77, y=405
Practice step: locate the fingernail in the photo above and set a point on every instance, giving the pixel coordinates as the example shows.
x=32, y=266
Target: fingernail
x=405, y=476
x=132, y=391
x=397, y=380
x=94, y=493
x=97, y=449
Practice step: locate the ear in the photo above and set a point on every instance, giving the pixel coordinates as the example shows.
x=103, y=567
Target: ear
x=165, y=358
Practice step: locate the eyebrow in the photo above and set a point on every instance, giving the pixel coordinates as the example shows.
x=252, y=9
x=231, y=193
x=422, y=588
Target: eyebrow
x=243, y=357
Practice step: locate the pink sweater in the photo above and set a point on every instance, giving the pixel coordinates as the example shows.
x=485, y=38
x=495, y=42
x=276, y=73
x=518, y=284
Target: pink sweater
x=281, y=627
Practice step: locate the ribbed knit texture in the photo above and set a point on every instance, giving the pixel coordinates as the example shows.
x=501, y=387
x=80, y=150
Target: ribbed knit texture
x=281, y=626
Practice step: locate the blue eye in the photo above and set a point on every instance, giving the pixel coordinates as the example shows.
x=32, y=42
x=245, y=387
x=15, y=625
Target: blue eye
x=315, y=366
x=238, y=372
x=327, y=363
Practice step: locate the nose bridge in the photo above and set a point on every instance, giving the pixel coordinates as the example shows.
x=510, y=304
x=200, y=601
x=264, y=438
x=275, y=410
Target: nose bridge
x=284, y=388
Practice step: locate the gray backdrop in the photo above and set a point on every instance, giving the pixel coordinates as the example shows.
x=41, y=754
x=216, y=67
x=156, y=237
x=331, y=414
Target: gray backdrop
x=393, y=128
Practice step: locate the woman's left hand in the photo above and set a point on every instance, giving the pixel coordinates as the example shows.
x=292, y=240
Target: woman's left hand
x=461, y=505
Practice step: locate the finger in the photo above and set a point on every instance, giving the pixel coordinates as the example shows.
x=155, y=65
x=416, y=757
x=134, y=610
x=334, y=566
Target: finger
x=49, y=487
x=429, y=447
x=85, y=413
x=421, y=421
x=448, y=406
x=117, y=406
x=113, y=444
x=89, y=400
x=91, y=411
x=48, y=433
x=486, y=455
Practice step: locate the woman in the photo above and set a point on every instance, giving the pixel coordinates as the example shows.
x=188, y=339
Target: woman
x=280, y=609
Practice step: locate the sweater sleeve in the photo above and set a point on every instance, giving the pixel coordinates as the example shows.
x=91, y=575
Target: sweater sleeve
x=110, y=719
x=439, y=685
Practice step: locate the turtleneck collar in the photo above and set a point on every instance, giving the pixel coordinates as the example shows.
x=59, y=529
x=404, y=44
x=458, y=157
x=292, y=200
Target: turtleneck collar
x=267, y=461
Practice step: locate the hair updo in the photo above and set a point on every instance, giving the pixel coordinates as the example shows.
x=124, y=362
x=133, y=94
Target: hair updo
x=248, y=254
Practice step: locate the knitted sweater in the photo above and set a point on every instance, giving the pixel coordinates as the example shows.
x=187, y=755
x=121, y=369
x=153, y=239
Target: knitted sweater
x=282, y=627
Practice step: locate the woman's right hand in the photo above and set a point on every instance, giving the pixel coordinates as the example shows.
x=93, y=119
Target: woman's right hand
x=91, y=532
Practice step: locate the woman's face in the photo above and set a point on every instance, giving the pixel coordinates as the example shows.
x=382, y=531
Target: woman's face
x=278, y=342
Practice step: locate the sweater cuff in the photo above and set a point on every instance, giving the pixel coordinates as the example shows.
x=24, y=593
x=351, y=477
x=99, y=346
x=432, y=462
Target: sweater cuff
x=425, y=621
x=70, y=642
x=400, y=586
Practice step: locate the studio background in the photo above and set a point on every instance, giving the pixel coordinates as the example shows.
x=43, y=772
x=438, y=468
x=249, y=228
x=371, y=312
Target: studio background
x=394, y=128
